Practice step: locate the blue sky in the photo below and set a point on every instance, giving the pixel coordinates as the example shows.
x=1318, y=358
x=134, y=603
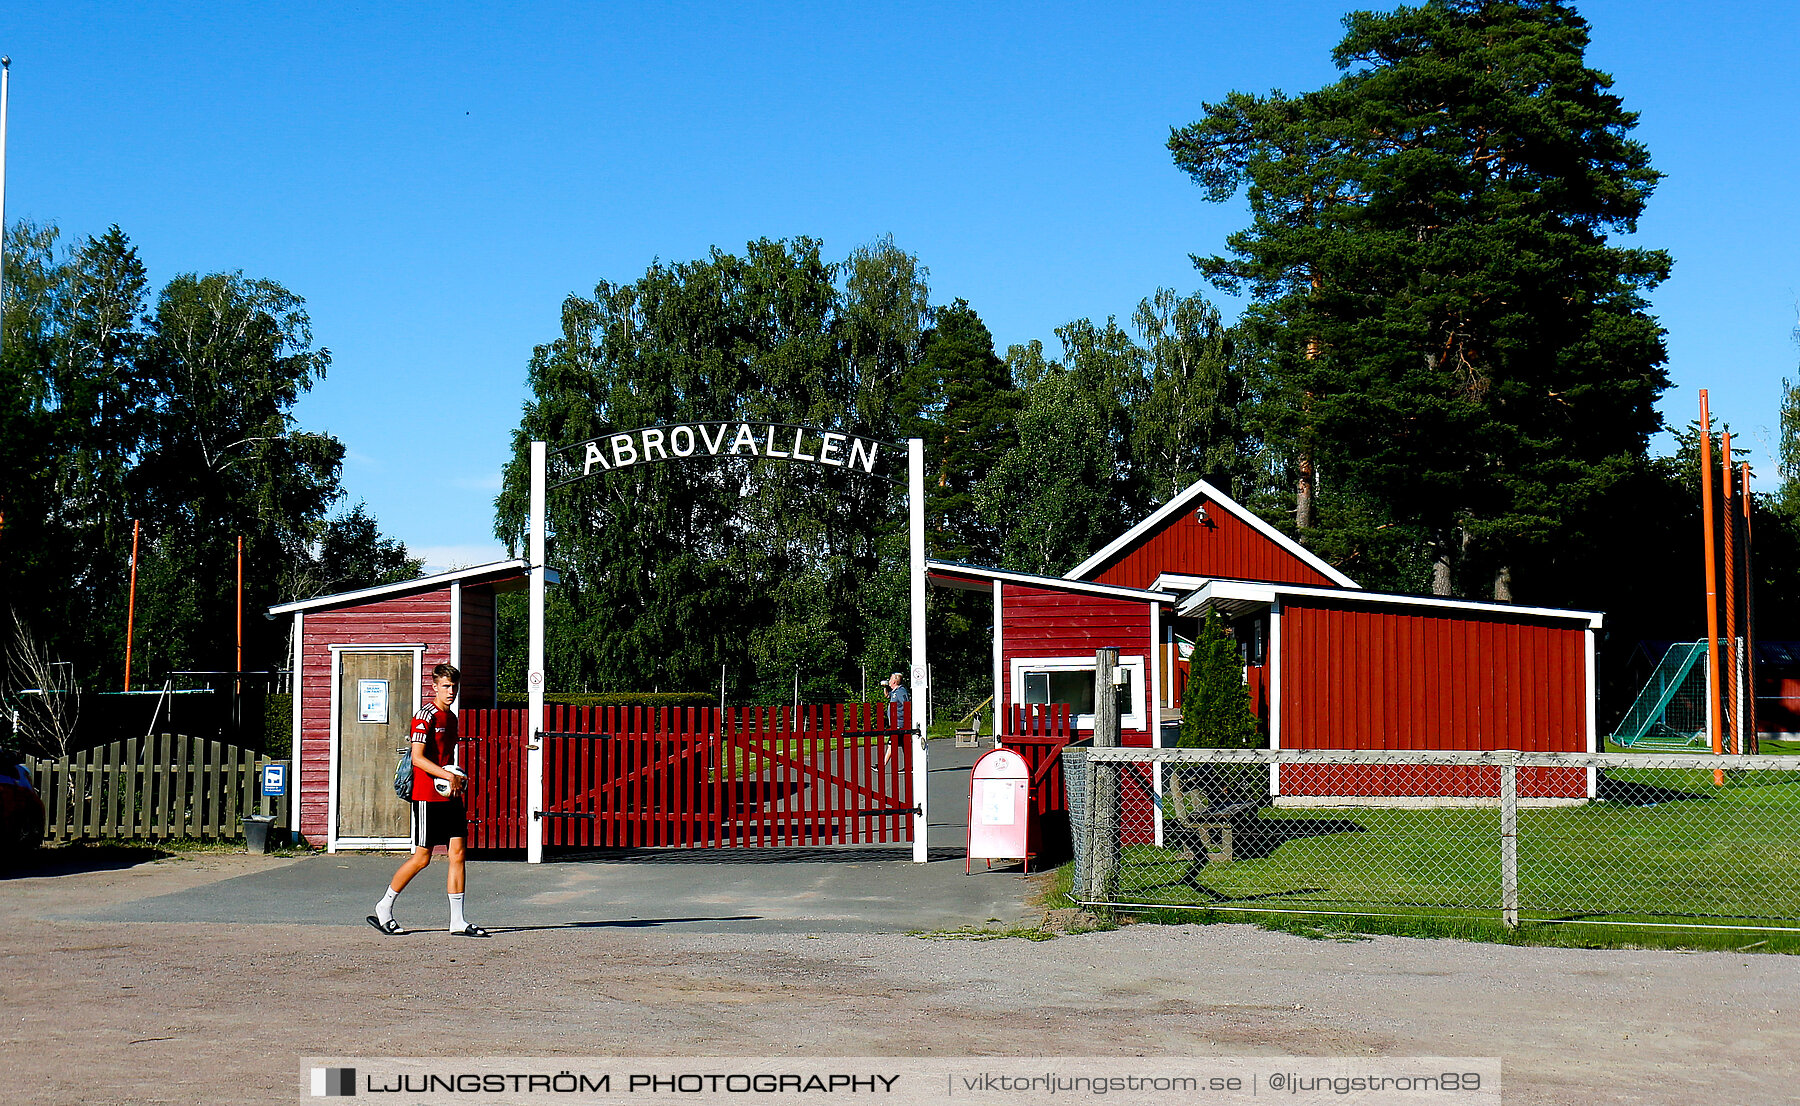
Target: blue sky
x=435, y=178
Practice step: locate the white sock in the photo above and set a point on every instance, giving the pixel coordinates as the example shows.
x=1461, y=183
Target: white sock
x=457, y=921
x=384, y=910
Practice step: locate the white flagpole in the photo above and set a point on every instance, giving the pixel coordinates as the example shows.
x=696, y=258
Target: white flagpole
x=921, y=674
x=5, y=79
x=534, y=675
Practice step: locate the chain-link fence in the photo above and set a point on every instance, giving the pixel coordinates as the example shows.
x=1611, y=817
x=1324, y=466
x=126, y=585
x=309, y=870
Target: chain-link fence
x=1627, y=838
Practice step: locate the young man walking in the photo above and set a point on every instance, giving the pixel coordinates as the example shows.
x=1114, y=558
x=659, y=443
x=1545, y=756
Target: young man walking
x=439, y=819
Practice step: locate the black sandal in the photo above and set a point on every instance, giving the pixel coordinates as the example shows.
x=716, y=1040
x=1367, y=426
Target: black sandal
x=390, y=928
x=470, y=931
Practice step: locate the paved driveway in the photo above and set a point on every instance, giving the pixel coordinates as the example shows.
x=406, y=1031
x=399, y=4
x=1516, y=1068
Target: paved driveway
x=854, y=889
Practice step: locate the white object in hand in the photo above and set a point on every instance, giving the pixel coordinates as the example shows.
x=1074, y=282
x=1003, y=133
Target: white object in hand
x=443, y=785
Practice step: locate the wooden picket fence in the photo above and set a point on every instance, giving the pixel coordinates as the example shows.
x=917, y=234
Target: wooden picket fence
x=159, y=787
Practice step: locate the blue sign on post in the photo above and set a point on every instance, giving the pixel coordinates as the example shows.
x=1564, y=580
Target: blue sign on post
x=274, y=779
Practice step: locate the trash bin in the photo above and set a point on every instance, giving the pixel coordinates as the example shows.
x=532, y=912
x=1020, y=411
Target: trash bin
x=259, y=832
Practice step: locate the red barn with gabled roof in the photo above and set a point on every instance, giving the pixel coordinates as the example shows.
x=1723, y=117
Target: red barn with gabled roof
x=1205, y=533
x=1330, y=665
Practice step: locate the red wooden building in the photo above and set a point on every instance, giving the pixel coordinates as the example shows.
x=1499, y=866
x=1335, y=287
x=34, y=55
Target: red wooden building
x=362, y=663
x=1330, y=665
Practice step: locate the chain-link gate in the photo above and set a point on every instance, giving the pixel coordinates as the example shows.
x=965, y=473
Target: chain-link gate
x=1625, y=838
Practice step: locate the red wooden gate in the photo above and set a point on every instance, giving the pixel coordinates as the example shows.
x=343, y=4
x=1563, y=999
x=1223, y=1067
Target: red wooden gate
x=758, y=776
x=492, y=751
x=1038, y=732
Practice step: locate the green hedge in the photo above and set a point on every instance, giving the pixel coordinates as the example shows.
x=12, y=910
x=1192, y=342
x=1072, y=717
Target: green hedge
x=616, y=699
x=278, y=724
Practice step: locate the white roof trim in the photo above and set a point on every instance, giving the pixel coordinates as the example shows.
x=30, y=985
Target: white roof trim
x=1055, y=583
x=516, y=566
x=1180, y=582
x=1175, y=506
x=1268, y=593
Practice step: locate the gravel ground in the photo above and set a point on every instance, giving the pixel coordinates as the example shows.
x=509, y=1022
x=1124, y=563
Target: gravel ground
x=104, y=1012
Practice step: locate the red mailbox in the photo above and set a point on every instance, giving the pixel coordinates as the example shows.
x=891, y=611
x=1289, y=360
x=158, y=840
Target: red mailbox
x=999, y=809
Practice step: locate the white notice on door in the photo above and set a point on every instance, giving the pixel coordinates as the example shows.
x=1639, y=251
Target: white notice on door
x=997, y=802
x=372, y=701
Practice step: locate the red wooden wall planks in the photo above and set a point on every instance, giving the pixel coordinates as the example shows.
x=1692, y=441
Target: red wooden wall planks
x=477, y=648
x=1223, y=546
x=1040, y=622
x=1360, y=676
x=1365, y=677
x=419, y=619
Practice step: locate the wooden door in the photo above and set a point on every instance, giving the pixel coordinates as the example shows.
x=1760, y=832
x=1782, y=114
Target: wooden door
x=376, y=697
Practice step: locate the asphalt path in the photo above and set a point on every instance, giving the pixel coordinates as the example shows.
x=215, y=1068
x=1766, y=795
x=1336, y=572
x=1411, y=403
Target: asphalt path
x=846, y=889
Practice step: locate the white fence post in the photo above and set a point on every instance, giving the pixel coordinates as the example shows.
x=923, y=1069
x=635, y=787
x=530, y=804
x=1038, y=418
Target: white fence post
x=1509, y=839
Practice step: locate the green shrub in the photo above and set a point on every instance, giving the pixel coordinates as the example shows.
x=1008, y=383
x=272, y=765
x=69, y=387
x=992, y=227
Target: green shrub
x=1216, y=714
x=1215, y=706
x=278, y=724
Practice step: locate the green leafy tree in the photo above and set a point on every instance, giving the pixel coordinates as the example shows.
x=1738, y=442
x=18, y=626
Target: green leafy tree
x=222, y=457
x=1788, y=450
x=1049, y=499
x=1113, y=371
x=97, y=381
x=967, y=411
x=967, y=407
x=29, y=535
x=1191, y=424
x=181, y=420
x=1116, y=427
x=1216, y=714
x=769, y=571
x=353, y=553
x=1453, y=343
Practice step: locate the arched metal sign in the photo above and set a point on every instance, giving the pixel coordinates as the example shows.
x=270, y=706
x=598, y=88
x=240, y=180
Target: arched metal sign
x=744, y=441
x=701, y=441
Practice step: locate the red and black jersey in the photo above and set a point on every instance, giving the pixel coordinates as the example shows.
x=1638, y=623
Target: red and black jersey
x=437, y=729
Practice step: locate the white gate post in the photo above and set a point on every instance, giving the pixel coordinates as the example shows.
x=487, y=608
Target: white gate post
x=921, y=675
x=534, y=670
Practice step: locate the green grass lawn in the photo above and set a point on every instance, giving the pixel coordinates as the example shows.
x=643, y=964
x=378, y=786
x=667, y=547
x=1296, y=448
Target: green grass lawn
x=1679, y=849
x=747, y=759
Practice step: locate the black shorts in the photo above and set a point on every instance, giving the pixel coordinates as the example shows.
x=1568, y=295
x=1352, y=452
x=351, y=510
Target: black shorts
x=435, y=823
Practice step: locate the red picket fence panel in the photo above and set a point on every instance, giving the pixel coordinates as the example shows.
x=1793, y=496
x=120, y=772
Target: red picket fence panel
x=492, y=750
x=634, y=777
x=1038, y=732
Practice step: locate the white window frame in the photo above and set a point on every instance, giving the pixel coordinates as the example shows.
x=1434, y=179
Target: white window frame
x=1133, y=721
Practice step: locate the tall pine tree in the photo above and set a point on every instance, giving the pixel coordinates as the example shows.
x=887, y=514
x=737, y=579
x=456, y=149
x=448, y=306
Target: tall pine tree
x=1455, y=346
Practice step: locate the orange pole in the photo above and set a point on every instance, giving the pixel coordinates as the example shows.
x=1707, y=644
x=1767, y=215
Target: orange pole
x=131, y=603
x=1734, y=699
x=1712, y=587
x=239, y=684
x=1749, y=622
